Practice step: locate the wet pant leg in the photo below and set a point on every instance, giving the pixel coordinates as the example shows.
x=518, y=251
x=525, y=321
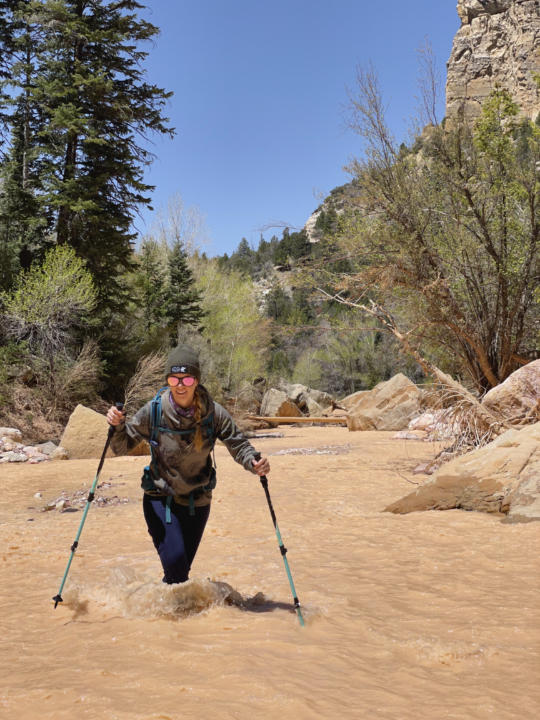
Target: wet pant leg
x=177, y=541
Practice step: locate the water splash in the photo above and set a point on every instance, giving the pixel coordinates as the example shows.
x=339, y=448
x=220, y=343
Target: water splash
x=132, y=595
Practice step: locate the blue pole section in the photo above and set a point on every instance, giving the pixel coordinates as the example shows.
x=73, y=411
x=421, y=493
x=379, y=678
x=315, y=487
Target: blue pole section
x=283, y=549
x=58, y=598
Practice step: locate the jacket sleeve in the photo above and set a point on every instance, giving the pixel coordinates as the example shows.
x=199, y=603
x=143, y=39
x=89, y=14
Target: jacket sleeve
x=233, y=438
x=129, y=434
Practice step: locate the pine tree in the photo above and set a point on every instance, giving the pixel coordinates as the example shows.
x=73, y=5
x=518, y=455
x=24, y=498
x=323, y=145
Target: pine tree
x=152, y=282
x=8, y=31
x=183, y=301
x=242, y=258
x=23, y=220
x=87, y=80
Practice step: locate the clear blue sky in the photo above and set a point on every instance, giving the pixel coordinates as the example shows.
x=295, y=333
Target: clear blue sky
x=260, y=90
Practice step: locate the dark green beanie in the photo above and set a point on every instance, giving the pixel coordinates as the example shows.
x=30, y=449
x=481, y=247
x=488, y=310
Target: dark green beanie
x=183, y=359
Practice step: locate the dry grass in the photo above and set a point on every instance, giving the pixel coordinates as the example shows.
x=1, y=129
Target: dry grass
x=39, y=401
x=144, y=382
x=78, y=380
x=468, y=424
x=26, y=413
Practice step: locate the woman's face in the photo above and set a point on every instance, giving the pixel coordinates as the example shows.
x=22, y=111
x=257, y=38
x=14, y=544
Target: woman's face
x=182, y=394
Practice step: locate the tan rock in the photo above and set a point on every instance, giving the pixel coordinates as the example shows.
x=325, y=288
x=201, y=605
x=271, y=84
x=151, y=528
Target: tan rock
x=502, y=477
x=498, y=44
x=313, y=407
x=524, y=502
x=309, y=401
x=389, y=406
x=85, y=434
x=351, y=400
x=59, y=454
x=469, y=9
x=277, y=404
x=335, y=412
x=518, y=397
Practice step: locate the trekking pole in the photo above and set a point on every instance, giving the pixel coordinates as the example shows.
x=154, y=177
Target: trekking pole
x=283, y=549
x=58, y=598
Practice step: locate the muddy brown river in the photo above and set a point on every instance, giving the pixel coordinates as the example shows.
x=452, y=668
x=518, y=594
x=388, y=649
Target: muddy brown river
x=425, y=616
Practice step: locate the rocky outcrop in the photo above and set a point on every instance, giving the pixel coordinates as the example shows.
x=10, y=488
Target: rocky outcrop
x=502, y=477
x=324, y=219
x=498, y=44
x=469, y=9
x=517, y=399
x=390, y=405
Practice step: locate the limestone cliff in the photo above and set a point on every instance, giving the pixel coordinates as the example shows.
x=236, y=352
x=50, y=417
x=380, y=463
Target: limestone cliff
x=498, y=44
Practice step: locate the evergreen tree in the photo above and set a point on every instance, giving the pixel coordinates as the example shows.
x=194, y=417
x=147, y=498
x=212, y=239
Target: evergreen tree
x=23, y=220
x=7, y=44
x=86, y=78
x=152, y=285
x=183, y=301
x=242, y=259
x=278, y=305
x=300, y=247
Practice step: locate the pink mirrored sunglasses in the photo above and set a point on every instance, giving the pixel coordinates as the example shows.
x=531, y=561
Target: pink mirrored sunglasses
x=174, y=381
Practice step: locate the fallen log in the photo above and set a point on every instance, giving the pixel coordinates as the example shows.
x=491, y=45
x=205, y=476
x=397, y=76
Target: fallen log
x=299, y=419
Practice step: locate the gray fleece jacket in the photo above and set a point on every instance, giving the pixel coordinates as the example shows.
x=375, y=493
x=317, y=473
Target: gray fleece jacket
x=182, y=467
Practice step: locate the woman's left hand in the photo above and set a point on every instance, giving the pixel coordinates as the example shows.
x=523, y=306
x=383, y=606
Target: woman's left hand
x=261, y=467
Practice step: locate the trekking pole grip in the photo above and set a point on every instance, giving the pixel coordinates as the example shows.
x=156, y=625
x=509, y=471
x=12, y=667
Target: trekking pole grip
x=119, y=406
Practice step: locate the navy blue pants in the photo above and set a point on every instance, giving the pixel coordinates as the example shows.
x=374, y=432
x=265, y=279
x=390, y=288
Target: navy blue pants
x=177, y=541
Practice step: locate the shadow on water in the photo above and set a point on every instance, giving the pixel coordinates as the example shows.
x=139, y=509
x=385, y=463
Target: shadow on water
x=262, y=606
x=258, y=603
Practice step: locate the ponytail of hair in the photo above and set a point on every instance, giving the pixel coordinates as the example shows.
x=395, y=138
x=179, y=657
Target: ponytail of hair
x=198, y=440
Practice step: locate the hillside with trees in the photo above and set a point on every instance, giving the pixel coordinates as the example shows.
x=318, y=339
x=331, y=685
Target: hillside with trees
x=428, y=256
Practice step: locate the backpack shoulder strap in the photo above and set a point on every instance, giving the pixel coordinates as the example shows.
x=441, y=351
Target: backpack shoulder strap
x=155, y=422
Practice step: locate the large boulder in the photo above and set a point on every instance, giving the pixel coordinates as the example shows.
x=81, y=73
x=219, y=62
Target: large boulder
x=86, y=433
x=351, y=400
x=275, y=403
x=390, y=405
x=295, y=400
x=518, y=397
x=501, y=477
x=309, y=401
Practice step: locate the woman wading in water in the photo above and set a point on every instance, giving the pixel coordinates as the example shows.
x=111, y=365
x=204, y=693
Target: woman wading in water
x=181, y=424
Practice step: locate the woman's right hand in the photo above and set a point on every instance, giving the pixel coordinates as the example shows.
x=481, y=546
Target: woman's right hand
x=115, y=416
